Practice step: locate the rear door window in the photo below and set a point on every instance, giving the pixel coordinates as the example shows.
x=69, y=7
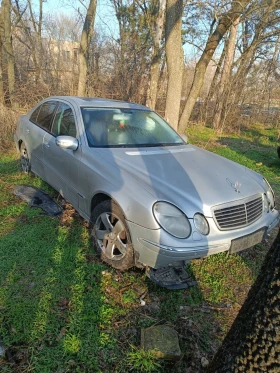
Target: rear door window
x=64, y=121
x=46, y=114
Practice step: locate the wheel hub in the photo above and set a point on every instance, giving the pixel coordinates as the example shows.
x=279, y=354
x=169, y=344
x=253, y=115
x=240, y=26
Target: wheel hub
x=24, y=160
x=112, y=236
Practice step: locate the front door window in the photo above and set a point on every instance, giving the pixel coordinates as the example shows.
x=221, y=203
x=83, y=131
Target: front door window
x=64, y=122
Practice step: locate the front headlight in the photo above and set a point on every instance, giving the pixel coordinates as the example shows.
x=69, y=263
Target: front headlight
x=201, y=224
x=269, y=194
x=172, y=219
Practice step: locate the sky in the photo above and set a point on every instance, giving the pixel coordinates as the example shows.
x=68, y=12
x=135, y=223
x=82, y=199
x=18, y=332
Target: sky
x=105, y=20
x=105, y=17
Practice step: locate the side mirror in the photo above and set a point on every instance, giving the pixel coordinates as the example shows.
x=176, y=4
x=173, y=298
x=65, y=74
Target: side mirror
x=67, y=142
x=185, y=138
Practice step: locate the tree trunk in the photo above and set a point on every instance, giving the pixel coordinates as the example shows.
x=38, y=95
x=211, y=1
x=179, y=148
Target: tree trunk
x=174, y=60
x=34, y=37
x=8, y=49
x=36, y=40
x=225, y=75
x=216, y=77
x=271, y=68
x=245, y=34
x=247, y=58
x=253, y=342
x=239, y=78
x=1, y=75
x=213, y=85
x=84, y=46
x=156, y=56
x=213, y=41
x=1, y=60
x=121, y=65
x=39, y=42
x=154, y=77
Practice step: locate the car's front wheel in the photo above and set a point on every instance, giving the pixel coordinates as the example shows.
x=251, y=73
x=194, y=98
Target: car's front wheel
x=110, y=235
x=24, y=159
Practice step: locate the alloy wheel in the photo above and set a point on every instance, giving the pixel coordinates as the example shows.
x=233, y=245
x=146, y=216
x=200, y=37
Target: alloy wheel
x=24, y=159
x=111, y=236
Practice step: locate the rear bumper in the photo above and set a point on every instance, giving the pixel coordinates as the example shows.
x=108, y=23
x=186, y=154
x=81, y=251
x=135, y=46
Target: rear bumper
x=154, y=248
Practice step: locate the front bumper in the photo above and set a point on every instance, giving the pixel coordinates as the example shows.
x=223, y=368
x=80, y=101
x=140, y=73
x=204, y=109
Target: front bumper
x=156, y=248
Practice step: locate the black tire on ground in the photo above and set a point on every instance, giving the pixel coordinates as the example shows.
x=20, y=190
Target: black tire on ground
x=24, y=159
x=110, y=236
x=278, y=151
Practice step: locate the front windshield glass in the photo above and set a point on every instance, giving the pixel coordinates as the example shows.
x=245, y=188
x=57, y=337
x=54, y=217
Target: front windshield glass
x=127, y=128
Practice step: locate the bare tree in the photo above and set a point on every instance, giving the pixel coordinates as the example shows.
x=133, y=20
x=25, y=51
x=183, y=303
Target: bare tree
x=214, y=84
x=132, y=49
x=260, y=32
x=271, y=70
x=156, y=25
x=1, y=58
x=8, y=48
x=174, y=59
x=84, y=46
x=217, y=75
x=31, y=33
x=61, y=46
x=265, y=22
x=213, y=41
x=221, y=91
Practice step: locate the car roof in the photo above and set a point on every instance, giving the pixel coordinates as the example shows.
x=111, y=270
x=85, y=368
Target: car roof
x=100, y=102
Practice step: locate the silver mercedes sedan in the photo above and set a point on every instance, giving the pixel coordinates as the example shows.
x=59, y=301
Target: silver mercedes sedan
x=152, y=199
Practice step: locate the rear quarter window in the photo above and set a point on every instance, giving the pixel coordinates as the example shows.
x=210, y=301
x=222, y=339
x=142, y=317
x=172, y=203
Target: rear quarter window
x=34, y=115
x=45, y=114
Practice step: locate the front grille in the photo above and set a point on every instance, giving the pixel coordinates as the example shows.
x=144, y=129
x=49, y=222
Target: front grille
x=239, y=215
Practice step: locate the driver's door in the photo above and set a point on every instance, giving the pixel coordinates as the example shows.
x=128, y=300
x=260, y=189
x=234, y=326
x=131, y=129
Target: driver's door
x=62, y=165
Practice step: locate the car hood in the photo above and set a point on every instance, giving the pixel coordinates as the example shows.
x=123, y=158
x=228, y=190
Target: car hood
x=191, y=178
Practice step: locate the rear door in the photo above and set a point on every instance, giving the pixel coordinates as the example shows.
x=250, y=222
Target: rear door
x=62, y=165
x=36, y=127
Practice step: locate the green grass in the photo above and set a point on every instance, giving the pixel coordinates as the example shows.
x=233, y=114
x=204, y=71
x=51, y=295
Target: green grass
x=62, y=310
x=142, y=361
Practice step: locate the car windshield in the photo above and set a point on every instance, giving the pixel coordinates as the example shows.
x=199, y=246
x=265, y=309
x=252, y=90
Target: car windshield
x=127, y=128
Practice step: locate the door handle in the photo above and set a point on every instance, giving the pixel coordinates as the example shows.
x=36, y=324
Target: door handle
x=27, y=130
x=46, y=145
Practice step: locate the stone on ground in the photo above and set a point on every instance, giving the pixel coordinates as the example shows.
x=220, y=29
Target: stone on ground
x=163, y=340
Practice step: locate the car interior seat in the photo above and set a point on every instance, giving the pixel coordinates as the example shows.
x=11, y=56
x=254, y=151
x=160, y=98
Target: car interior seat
x=96, y=127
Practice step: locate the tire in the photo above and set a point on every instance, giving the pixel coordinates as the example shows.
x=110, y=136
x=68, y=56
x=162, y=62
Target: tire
x=278, y=151
x=110, y=236
x=24, y=159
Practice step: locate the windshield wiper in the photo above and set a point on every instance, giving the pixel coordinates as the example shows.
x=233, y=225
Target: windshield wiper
x=162, y=144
